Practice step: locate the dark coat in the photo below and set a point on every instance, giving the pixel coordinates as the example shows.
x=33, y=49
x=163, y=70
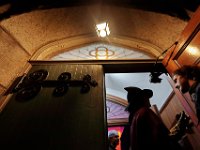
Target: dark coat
x=147, y=130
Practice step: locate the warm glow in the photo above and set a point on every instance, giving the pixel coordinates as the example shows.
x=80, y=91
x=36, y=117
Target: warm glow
x=102, y=33
x=101, y=26
x=102, y=29
x=119, y=129
x=193, y=51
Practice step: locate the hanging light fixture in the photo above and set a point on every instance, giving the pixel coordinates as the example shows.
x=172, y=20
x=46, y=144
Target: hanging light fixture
x=102, y=29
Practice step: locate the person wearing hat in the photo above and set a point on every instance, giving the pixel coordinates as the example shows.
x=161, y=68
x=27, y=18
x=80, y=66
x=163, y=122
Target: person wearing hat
x=145, y=129
x=113, y=139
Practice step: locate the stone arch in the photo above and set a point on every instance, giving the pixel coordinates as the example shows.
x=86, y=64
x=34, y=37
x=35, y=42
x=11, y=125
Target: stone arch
x=59, y=46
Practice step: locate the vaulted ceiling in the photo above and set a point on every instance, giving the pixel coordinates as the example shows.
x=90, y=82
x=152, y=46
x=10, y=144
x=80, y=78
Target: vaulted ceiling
x=34, y=24
x=41, y=29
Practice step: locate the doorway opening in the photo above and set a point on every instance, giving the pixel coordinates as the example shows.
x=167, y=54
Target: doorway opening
x=116, y=100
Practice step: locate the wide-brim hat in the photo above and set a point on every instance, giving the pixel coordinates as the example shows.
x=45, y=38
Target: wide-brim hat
x=135, y=94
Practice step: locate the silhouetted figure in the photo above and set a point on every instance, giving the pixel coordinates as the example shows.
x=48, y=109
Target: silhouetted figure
x=145, y=129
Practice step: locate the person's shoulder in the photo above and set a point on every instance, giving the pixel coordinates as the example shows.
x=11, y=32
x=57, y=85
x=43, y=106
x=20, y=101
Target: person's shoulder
x=143, y=111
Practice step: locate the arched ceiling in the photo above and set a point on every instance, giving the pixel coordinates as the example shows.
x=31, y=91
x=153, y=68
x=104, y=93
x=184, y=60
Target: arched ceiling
x=32, y=29
x=34, y=24
x=91, y=42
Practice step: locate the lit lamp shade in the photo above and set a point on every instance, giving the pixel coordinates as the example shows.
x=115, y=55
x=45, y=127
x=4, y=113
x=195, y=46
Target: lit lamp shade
x=102, y=29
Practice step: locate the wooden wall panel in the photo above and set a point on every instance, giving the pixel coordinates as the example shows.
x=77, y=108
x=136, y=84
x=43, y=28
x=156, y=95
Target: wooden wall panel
x=170, y=110
x=187, y=50
x=168, y=113
x=73, y=121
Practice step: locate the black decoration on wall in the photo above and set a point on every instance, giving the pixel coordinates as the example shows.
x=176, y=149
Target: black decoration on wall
x=27, y=93
x=29, y=86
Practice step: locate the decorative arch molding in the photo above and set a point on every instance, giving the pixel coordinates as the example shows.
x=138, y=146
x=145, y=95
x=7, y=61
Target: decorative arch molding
x=116, y=99
x=59, y=46
x=116, y=114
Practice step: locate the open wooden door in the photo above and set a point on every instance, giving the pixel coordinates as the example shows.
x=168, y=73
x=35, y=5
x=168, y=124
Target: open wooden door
x=186, y=52
x=57, y=106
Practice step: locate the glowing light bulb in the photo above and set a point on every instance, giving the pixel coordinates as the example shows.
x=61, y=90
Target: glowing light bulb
x=102, y=29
